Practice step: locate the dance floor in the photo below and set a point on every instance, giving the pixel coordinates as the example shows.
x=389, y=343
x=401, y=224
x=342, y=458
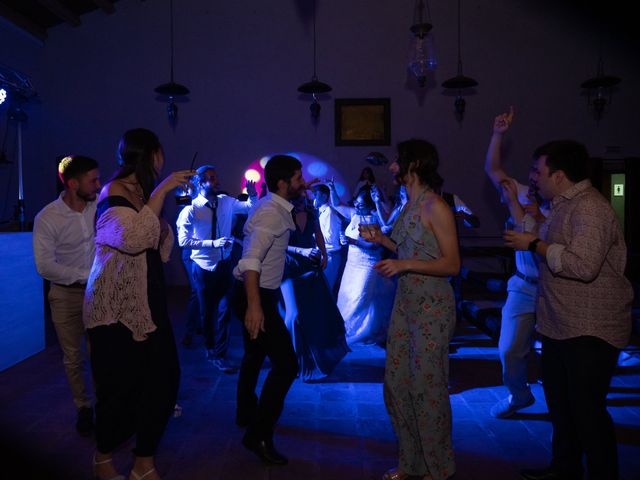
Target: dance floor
x=334, y=429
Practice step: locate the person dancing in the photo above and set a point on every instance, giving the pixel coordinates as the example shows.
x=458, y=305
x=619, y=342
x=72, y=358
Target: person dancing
x=133, y=351
x=366, y=299
x=259, y=274
x=311, y=315
x=423, y=319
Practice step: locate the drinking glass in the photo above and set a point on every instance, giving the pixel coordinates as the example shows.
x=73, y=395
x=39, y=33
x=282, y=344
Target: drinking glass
x=368, y=225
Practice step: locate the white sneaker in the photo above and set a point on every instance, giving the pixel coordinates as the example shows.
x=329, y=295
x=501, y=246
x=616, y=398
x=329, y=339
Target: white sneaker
x=506, y=408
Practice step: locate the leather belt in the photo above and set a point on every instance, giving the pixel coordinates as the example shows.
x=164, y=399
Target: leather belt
x=531, y=280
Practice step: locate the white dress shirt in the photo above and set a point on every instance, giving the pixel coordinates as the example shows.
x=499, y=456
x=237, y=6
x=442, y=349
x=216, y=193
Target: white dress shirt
x=266, y=236
x=194, y=228
x=64, y=242
x=330, y=225
x=526, y=262
x=460, y=206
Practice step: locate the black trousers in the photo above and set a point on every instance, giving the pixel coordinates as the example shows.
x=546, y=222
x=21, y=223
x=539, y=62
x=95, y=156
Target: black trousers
x=212, y=286
x=136, y=386
x=576, y=376
x=275, y=342
x=194, y=322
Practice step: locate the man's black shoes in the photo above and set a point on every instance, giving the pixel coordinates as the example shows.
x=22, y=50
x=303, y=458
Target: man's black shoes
x=265, y=450
x=220, y=363
x=84, y=422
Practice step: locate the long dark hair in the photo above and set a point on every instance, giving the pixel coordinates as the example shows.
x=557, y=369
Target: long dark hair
x=422, y=158
x=372, y=177
x=365, y=193
x=135, y=155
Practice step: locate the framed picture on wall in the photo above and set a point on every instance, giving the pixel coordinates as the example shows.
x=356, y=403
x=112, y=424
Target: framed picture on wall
x=362, y=121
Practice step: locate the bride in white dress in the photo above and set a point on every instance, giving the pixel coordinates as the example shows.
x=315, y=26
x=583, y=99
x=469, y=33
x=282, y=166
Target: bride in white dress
x=365, y=298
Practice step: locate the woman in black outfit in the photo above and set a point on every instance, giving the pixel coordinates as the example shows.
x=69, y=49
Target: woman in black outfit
x=133, y=351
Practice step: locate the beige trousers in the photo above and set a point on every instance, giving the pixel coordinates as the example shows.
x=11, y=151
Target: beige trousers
x=66, y=314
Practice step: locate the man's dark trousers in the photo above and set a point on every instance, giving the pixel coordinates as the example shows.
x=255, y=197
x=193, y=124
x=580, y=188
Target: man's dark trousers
x=211, y=287
x=261, y=414
x=576, y=375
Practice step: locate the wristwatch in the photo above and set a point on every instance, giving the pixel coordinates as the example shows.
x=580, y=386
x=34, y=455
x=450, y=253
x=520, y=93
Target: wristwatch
x=533, y=245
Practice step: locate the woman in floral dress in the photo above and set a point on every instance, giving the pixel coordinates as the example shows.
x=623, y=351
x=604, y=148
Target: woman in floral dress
x=423, y=319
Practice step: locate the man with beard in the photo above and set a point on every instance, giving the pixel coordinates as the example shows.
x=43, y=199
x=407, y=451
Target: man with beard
x=583, y=315
x=205, y=227
x=64, y=247
x=266, y=237
x=518, y=312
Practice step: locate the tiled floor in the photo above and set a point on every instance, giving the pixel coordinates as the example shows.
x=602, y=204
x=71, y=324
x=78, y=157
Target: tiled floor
x=336, y=429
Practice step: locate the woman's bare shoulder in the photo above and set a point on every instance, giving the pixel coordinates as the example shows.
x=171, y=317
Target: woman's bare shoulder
x=433, y=202
x=115, y=187
x=435, y=208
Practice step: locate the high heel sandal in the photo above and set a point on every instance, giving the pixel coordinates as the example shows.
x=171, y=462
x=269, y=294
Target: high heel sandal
x=395, y=474
x=140, y=477
x=104, y=462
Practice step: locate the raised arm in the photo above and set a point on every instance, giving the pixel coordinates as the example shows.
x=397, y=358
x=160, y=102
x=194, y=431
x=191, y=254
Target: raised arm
x=173, y=180
x=509, y=190
x=382, y=209
x=493, y=161
x=336, y=203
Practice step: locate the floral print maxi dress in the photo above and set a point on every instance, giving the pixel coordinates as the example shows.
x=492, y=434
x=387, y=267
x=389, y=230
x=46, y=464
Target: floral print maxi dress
x=417, y=365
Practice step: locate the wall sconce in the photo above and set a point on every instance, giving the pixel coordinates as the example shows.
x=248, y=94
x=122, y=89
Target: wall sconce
x=422, y=57
x=598, y=89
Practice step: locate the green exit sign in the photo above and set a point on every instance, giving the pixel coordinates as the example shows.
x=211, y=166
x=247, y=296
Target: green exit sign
x=618, y=189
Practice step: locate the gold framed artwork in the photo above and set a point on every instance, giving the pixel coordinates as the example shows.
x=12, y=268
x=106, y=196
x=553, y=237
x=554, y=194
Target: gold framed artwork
x=362, y=121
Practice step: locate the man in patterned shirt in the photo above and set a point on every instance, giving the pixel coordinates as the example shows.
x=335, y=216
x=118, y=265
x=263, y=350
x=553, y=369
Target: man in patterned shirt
x=583, y=311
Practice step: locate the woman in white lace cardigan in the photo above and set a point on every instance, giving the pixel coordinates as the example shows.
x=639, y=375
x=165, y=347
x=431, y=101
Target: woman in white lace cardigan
x=133, y=353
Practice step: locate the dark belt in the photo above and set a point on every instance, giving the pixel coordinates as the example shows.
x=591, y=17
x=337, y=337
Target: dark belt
x=531, y=280
x=73, y=285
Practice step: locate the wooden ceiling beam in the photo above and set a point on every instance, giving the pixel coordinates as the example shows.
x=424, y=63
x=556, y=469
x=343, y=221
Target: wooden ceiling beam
x=60, y=11
x=106, y=6
x=22, y=22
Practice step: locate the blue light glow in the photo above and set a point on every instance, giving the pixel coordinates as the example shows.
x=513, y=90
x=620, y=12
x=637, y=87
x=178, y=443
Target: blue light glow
x=317, y=169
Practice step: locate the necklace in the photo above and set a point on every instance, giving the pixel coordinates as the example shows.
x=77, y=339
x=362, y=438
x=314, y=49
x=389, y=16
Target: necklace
x=137, y=190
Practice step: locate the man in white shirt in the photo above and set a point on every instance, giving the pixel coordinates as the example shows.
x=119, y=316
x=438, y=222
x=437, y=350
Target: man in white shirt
x=205, y=228
x=460, y=210
x=64, y=247
x=331, y=226
x=260, y=270
x=518, y=313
